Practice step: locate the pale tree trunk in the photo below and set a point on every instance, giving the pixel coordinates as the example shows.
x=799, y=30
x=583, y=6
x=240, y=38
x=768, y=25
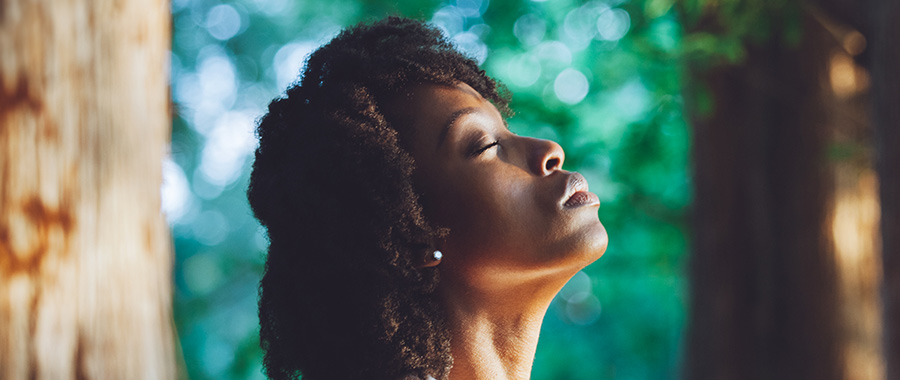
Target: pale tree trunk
x=85, y=257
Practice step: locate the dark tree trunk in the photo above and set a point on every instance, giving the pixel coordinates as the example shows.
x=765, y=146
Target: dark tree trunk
x=763, y=287
x=885, y=72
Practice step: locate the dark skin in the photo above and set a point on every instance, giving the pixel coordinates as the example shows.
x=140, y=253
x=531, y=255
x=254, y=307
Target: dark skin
x=514, y=240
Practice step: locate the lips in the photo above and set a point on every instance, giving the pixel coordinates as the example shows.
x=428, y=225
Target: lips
x=577, y=193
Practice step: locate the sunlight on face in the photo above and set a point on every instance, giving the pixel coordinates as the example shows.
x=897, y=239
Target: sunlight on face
x=513, y=213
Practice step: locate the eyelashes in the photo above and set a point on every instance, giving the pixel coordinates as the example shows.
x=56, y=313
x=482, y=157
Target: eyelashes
x=479, y=151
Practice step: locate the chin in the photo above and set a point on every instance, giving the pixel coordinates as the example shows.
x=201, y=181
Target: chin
x=592, y=245
x=581, y=248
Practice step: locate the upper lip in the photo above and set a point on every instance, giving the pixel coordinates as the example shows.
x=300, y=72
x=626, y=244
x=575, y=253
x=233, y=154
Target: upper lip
x=575, y=184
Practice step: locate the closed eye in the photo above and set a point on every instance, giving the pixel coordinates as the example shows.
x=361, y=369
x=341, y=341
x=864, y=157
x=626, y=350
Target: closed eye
x=481, y=150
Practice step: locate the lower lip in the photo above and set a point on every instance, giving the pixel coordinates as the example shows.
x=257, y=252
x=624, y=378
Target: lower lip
x=582, y=198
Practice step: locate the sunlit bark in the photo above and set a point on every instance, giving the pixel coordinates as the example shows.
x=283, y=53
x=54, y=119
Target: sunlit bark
x=855, y=231
x=85, y=259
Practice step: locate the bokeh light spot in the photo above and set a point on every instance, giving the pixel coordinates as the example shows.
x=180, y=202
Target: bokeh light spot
x=584, y=312
x=223, y=22
x=175, y=192
x=554, y=51
x=449, y=20
x=530, y=29
x=571, y=86
x=579, y=25
x=228, y=144
x=613, y=24
x=524, y=70
x=632, y=100
x=211, y=229
x=289, y=61
x=578, y=288
x=208, y=92
x=471, y=45
x=472, y=8
x=201, y=273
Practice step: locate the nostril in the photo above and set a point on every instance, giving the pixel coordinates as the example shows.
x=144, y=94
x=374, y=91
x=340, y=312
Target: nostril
x=544, y=156
x=551, y=164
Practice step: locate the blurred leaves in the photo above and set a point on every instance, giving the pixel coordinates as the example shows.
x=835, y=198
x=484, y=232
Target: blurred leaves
x=719, y=31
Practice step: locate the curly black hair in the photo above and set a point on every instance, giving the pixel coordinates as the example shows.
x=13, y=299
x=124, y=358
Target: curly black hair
x=342, y=296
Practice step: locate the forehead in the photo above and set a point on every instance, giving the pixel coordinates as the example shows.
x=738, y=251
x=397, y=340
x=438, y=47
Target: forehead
x=422, y=110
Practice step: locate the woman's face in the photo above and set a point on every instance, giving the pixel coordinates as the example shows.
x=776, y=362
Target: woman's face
x=510, y=208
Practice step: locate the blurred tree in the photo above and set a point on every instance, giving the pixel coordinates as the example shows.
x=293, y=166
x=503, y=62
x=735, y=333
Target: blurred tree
x=764, y=303
x=85, y=257
x=763, y=284
x=885, y=67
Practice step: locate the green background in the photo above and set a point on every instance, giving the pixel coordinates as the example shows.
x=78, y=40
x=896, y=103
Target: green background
x=602, y=78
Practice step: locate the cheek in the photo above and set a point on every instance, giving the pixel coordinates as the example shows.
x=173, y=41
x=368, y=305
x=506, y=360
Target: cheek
x=494, y=216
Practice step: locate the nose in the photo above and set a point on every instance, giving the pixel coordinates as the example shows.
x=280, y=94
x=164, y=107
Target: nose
x=546, y=157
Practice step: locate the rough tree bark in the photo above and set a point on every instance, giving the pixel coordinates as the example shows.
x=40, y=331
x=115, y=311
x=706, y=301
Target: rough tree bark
x=85, y=258
x=763, y=287
x=885, y=72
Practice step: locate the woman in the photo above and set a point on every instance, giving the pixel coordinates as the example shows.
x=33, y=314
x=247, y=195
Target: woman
x=412, y=235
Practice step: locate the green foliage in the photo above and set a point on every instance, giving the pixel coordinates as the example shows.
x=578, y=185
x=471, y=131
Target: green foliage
x=603, y=78
x=720, y=31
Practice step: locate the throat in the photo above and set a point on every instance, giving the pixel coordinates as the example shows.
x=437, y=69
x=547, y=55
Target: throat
x=494, y=340
x=487, y=350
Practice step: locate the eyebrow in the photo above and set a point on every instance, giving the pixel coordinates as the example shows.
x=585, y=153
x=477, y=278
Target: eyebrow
x=454, y=117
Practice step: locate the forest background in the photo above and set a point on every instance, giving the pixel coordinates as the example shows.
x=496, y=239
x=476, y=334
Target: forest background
x=601, y=78
x=742, y=152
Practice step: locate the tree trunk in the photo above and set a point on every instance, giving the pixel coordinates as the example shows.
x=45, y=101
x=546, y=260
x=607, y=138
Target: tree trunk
x=885, y=71
x=763, y=287
x=85, y=257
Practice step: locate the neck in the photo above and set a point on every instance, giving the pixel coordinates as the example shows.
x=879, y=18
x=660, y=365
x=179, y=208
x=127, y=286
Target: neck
x=494, y=336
